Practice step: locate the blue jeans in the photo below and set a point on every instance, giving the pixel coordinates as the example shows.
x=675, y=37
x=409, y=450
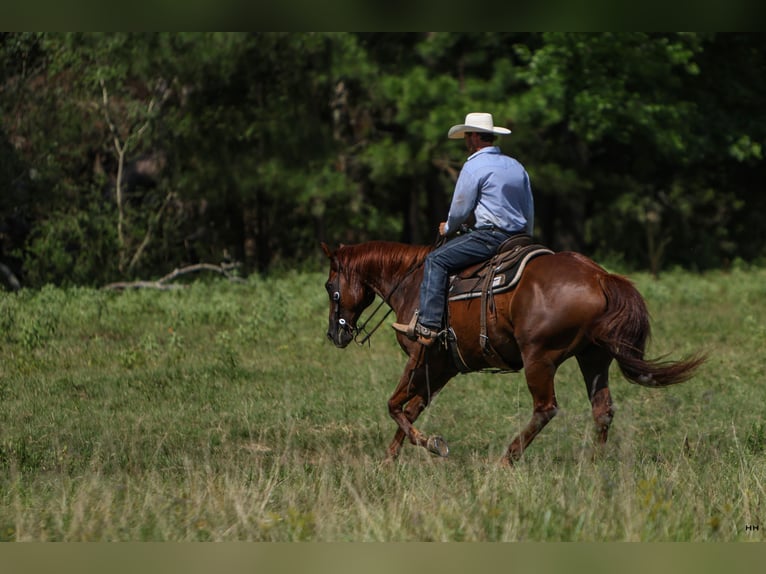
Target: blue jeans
x=453, y=256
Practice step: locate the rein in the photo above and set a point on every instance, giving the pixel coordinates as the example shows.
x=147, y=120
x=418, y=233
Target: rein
x=438, y=242
x=363, y=326
x=384, y=301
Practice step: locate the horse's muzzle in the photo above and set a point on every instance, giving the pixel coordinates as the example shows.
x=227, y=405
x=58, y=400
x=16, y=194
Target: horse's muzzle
x=340, y=337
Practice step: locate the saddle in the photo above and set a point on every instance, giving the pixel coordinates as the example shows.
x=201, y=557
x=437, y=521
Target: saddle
x=498, y=274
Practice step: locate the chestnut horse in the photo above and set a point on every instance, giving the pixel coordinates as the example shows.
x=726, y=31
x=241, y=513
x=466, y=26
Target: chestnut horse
x=565, y=305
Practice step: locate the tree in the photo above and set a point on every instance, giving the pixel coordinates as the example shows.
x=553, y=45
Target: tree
x=127, y=155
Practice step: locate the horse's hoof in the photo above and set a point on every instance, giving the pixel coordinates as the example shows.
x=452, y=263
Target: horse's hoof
x=438, y=446
x=390, y=460
x=510, y=460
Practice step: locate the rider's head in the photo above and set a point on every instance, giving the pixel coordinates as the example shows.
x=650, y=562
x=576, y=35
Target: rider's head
x=474, y=141
x=478, y=131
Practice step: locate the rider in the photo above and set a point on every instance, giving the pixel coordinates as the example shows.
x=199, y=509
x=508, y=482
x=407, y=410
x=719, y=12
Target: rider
x=492, y=190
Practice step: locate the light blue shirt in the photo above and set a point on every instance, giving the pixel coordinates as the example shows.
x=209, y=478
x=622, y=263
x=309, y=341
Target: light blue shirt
x=496, y=189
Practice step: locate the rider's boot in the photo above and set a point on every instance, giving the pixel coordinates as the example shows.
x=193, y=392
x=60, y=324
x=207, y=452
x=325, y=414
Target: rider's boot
x=417, y=332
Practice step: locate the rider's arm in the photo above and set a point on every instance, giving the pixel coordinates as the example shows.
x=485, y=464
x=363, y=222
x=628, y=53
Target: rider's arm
x=463, y=201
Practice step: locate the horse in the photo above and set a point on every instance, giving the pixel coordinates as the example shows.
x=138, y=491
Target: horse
x=564, y=305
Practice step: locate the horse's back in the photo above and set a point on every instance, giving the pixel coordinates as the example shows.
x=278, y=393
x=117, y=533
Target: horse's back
x=563, y=267
x=558, y=294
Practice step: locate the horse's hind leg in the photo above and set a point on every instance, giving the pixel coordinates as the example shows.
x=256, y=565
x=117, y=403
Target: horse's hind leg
x=539, y=374
x=594, y=364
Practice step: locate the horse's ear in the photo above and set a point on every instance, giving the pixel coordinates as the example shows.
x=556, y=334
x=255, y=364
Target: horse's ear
x=326, y=250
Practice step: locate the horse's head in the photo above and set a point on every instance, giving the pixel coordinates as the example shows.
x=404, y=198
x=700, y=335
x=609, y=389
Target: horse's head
x=349, y=297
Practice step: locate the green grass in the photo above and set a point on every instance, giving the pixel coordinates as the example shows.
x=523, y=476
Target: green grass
x=221, y=412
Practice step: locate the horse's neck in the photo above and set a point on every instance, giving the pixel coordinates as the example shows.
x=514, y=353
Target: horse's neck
x=393, y=271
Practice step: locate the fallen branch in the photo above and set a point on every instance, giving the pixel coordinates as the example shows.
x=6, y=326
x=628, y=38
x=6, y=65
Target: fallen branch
x=164, y=283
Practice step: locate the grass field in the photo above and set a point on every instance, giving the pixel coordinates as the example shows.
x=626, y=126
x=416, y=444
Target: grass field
x=221, y=412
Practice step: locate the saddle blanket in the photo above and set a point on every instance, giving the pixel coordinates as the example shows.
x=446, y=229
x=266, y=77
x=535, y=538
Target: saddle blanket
x=503, y=270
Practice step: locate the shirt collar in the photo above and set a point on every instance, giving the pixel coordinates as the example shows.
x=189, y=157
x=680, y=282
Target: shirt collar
x=488, y=149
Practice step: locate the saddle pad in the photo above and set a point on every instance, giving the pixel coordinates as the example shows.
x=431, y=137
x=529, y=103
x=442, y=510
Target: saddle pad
x=506, y=268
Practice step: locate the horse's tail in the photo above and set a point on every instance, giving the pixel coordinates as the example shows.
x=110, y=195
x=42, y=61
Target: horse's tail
x=624, y=329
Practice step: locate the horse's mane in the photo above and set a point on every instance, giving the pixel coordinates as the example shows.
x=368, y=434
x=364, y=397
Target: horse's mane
x=375, y=256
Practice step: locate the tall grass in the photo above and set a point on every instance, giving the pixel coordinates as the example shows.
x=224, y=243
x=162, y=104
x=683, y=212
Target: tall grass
x=221, y=412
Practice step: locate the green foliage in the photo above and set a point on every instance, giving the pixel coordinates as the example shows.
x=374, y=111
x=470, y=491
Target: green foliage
x=75, y=246
x=644, y=147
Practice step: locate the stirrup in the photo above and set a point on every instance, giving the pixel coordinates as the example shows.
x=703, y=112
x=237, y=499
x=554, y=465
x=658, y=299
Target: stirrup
x=410, y=328
x=417, y=332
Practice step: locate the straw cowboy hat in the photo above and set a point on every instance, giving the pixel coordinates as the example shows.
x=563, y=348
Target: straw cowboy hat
x=476, y=122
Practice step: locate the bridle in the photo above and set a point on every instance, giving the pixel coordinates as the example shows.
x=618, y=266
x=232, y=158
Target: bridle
x=355, y=332
x=335, y=298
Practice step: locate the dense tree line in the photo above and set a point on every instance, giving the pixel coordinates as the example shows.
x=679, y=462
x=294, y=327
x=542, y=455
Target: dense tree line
x=126, y=155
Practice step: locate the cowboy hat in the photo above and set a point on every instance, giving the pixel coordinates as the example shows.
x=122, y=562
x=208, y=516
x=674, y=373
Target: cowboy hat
x=476, y=122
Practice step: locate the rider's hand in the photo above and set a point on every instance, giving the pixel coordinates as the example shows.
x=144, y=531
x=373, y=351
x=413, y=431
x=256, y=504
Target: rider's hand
x=442, y=228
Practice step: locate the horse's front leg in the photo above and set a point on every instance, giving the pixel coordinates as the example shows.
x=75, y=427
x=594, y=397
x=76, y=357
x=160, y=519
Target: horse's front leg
x=412, y=410
x=396, y=444
x=405, y=394
x=417, y=386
